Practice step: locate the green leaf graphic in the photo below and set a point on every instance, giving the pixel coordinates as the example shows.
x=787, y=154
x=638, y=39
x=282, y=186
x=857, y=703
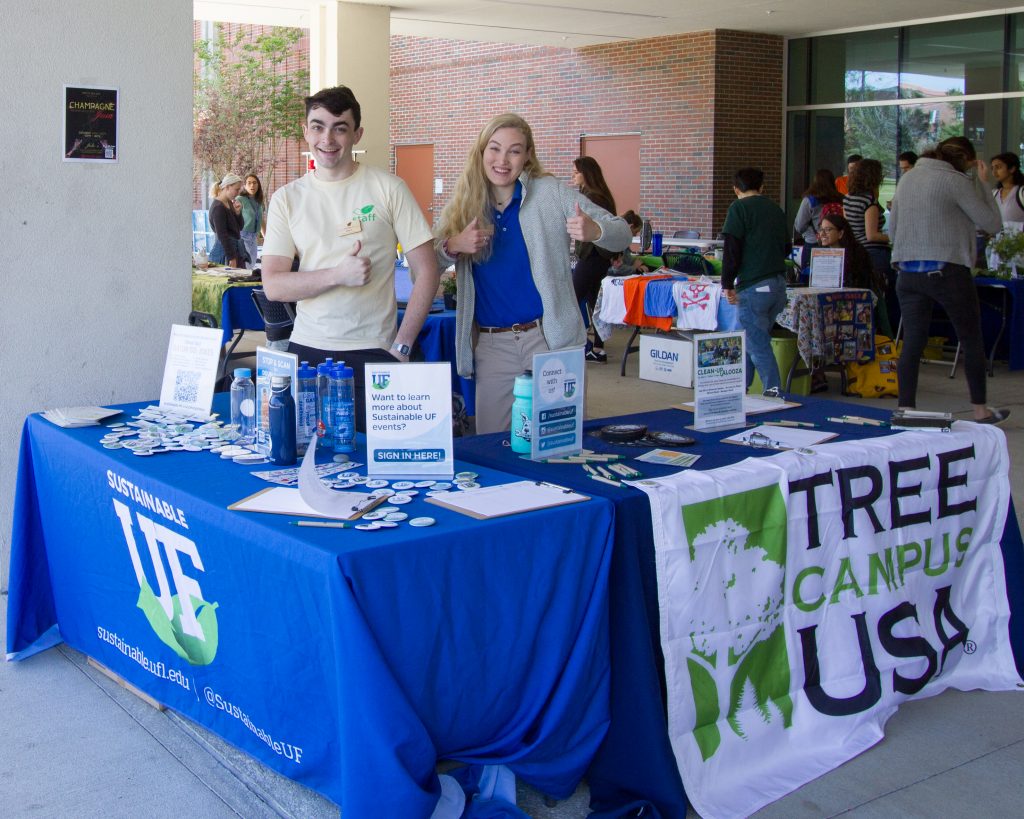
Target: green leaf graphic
x=170, y=632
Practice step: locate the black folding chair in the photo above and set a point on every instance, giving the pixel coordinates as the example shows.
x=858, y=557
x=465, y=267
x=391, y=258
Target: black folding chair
x=278, y=316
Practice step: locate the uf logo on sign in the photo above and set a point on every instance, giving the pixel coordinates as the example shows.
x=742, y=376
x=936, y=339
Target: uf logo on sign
x=182, y=620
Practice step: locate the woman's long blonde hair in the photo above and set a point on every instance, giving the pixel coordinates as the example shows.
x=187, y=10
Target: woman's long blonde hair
x=471, y=198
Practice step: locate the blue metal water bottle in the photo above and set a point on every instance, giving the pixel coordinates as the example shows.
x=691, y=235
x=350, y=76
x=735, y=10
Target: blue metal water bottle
x=281, y=409
x=522, y=410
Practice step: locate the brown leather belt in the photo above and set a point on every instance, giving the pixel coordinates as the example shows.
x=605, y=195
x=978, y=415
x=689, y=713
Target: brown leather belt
x=515, y=328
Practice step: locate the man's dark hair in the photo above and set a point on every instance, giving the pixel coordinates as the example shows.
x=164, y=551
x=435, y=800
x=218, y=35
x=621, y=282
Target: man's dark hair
x=337, y=100
x=853, y=158
x=909, y=157
x=748, y=179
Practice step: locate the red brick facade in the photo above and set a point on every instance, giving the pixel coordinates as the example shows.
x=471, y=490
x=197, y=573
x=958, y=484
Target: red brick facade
x=704, y=103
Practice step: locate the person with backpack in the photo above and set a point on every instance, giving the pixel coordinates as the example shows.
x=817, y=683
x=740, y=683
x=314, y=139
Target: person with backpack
x=1009, y=186
x=819, y=193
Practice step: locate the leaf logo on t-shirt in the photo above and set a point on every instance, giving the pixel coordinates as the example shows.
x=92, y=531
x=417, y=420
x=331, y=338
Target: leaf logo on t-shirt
x=365, y=214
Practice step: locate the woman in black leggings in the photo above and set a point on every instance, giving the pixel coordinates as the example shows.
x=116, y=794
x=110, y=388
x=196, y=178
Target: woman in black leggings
x=593, y=262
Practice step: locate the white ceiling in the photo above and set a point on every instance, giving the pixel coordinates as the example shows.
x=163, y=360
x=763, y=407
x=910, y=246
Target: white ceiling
x=574, y=23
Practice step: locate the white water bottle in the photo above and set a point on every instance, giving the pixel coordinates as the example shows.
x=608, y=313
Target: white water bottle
x=243, y=405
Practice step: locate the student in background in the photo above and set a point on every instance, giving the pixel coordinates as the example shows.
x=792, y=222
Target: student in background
x=226, y=223
x=1009, y=179
x=841, y=182
x=507, y=230
x=252, y=202
x=593, y=262
x=754, y=269
x=821, y=192
x=935, y=214
x=907, y=160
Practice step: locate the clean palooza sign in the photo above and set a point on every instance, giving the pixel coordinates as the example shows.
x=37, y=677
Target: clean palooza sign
x=803, y=598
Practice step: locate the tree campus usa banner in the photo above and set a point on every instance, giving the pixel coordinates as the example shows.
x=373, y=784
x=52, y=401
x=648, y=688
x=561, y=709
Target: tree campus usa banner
x=803, y=598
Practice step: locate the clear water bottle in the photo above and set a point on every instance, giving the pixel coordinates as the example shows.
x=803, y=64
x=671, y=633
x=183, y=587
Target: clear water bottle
x=522, y=410
x=243, y=405
x=324, y=413
x=282, y=421
x=344, y=410
x=306, y=406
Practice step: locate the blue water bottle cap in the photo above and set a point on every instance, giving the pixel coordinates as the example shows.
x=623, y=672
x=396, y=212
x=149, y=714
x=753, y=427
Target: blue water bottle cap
x=305, y=371
x=242, y=372
x=346, y=372
x=324, y=368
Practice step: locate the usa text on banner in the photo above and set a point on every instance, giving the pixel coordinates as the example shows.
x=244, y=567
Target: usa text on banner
x=804, y=598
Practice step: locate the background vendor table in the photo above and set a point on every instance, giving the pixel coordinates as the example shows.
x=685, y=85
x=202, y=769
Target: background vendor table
x=637, y=661
x=1003, y=318
x=230, y=303
x=350, y=661
x=437, y=343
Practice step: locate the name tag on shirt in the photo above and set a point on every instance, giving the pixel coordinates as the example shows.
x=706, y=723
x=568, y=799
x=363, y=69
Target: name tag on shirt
x=350, y=228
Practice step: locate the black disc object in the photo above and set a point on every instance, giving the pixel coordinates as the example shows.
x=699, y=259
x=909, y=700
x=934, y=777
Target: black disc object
x=623, y=433
x=670, y=439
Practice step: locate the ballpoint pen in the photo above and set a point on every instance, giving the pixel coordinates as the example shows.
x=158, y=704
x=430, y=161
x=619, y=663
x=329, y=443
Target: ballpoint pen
x=807, y=424
x=860, y=422
x=323, y=524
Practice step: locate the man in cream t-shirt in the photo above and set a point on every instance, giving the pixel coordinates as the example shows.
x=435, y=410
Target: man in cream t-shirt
x=344, y=222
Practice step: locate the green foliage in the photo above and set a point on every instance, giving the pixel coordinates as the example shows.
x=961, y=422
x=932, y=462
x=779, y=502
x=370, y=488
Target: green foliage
x=1008, y=248
x=246, y=100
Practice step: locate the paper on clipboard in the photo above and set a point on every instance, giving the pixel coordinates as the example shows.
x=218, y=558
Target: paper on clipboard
x=779, y=437
x=507, y=499
x=286, y=500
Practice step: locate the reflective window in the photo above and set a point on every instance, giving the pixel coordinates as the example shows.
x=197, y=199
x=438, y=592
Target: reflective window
x=797, y=68
x=955, y=57
x=854, y=67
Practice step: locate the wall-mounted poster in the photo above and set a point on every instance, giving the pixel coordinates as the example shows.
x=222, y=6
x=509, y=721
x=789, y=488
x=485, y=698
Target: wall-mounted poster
x=90, y=124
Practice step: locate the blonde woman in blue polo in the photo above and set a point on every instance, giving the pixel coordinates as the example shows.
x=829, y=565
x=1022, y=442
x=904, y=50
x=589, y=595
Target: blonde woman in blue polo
x=507, y=230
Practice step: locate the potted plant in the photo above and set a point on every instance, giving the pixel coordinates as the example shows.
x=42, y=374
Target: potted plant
x=448, y=288
x=1005, y=254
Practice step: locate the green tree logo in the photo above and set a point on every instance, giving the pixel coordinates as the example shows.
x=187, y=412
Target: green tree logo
x=198, y=651
x=738, y=644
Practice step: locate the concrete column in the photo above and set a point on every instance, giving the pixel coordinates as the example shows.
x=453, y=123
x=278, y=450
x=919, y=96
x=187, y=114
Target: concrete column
x=349, y=45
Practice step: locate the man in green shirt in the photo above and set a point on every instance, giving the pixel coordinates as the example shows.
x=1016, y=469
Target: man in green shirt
x=754, y=269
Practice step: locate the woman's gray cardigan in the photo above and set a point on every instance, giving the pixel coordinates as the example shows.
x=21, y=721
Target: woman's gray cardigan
x=547, y=203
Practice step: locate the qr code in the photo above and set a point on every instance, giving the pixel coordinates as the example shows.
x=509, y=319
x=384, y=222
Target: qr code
x=186, y=386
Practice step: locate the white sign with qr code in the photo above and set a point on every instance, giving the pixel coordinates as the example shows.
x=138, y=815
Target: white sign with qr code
x=190, y=372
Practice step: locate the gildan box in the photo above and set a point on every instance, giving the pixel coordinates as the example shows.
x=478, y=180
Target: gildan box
x=667, y=359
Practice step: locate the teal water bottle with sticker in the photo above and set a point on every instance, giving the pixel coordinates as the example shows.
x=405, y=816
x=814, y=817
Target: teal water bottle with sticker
x=522, y=409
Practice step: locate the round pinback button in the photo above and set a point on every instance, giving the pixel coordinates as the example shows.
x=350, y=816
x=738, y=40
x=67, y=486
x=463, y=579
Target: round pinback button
x=376, y=483
x=400, y=485
x=401, y=500
x=422, y=522
x=395, y=517
x=368, y=527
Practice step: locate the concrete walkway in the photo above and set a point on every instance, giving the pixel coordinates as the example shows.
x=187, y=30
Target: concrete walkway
x=75, y=743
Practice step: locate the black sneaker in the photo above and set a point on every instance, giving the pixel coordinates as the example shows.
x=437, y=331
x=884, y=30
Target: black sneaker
x=600, y=356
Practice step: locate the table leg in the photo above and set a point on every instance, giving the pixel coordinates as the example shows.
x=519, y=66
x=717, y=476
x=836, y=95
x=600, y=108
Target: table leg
x=629, y=349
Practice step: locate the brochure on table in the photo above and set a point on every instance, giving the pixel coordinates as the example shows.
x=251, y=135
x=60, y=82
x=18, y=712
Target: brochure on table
x=557, y=414
x=827, y=265
x=719, y=380
x=268, y=364
x=190, y=371
x=409, y=419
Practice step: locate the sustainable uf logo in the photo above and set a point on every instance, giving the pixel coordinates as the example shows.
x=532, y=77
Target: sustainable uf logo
x=569, y=388
x=182, y=619
x=738, y=644
x=380, y=380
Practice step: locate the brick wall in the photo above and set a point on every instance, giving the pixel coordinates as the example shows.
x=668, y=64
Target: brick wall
x=705, y=104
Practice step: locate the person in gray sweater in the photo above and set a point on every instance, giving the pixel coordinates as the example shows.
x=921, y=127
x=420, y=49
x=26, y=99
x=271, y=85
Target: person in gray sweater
x=935, y=213
x=507, y=230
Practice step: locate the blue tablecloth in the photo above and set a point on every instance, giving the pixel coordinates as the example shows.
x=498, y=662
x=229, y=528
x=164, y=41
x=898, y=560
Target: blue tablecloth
x=237, y=311
x=350, y=661
x=1011, y=344
x=647, y=770
x=437, y=343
